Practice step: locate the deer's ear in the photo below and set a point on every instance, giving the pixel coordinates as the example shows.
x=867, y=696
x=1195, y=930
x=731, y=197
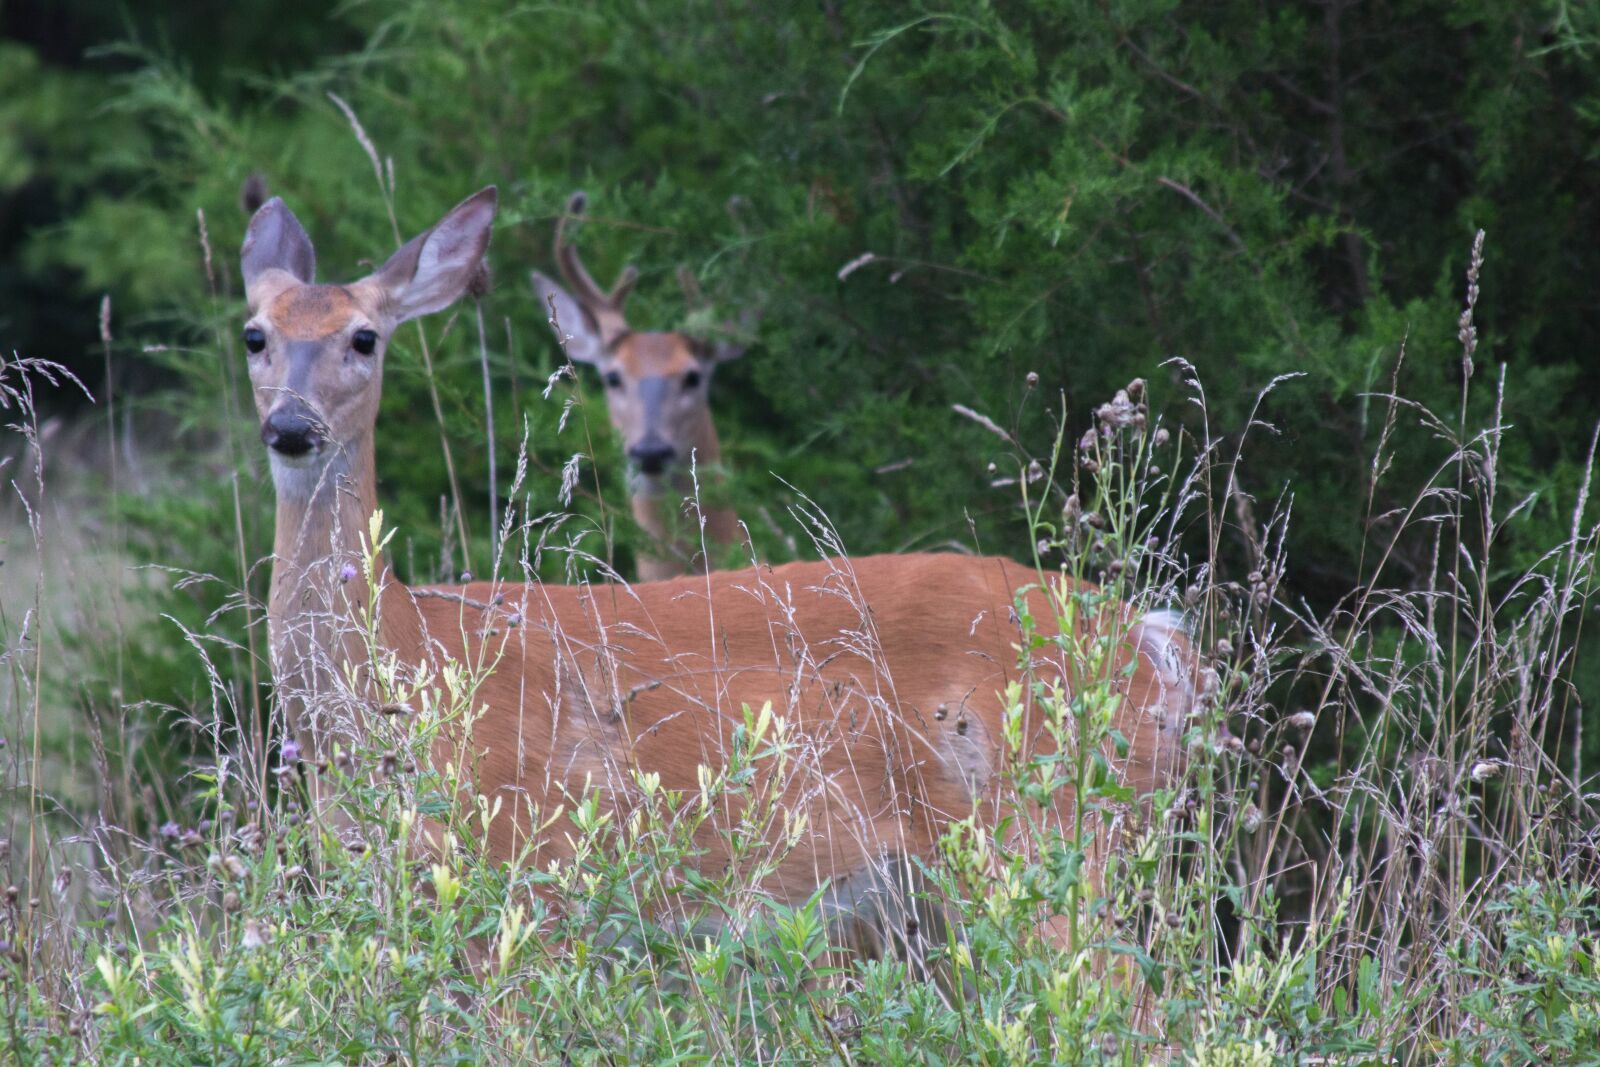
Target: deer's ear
x=433, y=269
x=739, y=344
x=575, y=331
x=275, y=241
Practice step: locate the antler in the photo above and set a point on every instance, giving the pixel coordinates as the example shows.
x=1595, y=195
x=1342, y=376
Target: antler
x=606, y=308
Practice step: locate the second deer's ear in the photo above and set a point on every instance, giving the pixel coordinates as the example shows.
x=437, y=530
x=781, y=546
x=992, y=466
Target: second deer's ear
x=575, y=331
x=433, y=269
x=275, y=240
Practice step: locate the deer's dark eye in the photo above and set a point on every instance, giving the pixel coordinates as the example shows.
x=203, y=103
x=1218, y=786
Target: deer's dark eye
x=613, y=380
x=691, y=380
x=254, y=340
x=364, y=341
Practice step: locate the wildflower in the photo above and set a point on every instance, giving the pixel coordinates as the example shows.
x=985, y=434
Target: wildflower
x=348, y=572
x=170, y=830
x=1303, y=721
x=255, y=936
x=1484, y=770
x=290, y=753
x=190, y=839
x=1250, y=819
x=1162, y=436
x=1120, y=412
x=1032, y=379
x=249, y=837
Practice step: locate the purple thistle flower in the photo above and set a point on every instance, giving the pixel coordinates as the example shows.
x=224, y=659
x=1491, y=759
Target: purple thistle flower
x=170, y=830
x=348, y=572
x=290, y=752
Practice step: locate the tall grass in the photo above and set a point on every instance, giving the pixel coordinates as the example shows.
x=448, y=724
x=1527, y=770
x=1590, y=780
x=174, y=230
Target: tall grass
x=1383, y=847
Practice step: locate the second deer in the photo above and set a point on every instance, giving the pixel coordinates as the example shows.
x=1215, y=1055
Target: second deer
x=657, y=388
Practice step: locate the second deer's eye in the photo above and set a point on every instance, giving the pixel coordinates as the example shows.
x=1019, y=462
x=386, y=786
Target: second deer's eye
x=691, y=380
x=613, y=380
x=364, y=341
x=254, y=340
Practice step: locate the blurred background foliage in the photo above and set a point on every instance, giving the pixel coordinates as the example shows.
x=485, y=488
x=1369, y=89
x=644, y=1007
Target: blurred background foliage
x=1075, y=188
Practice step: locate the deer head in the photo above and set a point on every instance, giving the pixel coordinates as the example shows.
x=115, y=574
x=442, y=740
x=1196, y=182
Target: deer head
x=657, y=384
x=316, y=351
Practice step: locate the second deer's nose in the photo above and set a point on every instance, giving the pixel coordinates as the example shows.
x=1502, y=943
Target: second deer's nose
x=652, y=457
x=290, y=432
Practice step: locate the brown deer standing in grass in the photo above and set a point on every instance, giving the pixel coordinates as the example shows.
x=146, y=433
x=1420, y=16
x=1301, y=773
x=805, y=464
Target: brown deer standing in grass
x=889, y=671
x=657, y=389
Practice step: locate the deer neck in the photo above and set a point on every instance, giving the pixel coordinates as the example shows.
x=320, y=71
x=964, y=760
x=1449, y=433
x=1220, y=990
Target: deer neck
x=320, y=602
x=658, y=508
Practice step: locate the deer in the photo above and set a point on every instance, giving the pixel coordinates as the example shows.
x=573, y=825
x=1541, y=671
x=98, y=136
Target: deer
x=889, y=674
x=658, y=398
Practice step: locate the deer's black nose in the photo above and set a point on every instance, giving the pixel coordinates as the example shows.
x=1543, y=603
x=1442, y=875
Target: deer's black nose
x=290, y=432
x=652, y=457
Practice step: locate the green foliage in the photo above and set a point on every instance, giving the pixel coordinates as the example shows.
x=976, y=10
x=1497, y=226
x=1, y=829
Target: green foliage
x=1539, y=994
x=1068, y=188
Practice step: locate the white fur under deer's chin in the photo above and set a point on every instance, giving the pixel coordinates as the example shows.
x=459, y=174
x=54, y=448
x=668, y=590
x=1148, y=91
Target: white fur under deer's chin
x=301, y=477
x=648, y=485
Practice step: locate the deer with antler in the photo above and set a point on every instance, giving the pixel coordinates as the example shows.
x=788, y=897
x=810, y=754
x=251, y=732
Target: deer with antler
x=658, y=395
x=889, y=673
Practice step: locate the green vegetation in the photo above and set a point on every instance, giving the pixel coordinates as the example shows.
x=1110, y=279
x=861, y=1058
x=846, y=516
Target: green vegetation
x=1374, y=509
